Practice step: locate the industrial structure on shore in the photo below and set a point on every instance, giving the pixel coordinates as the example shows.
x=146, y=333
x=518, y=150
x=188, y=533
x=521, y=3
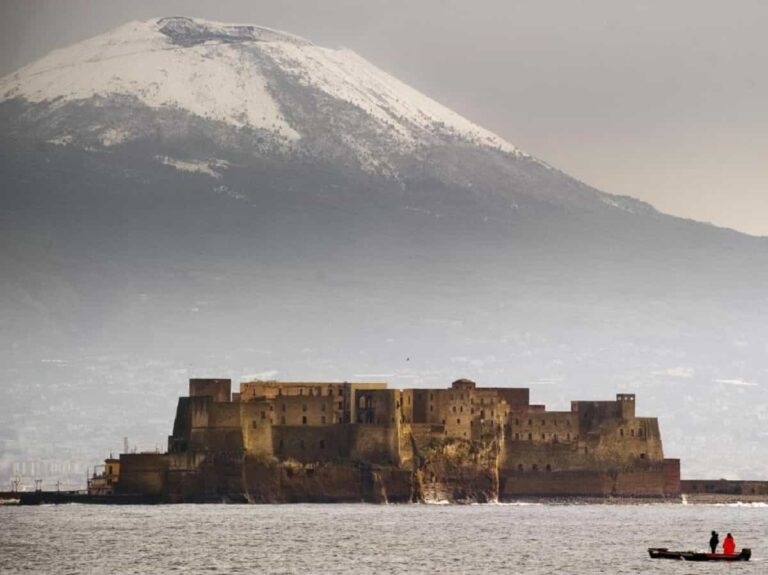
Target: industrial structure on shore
x=308, y=441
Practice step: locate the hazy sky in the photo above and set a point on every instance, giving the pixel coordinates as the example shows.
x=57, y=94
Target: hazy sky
x=664, y=100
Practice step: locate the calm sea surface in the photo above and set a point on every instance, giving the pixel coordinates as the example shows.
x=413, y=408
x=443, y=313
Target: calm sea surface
x=530, y=539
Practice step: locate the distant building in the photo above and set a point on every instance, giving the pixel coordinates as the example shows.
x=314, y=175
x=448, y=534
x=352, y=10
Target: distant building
x=409, y=442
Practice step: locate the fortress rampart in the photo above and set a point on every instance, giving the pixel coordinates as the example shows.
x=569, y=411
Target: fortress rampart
x=342, y=441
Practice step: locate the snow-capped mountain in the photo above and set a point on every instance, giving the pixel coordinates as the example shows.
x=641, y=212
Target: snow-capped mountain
x=182, y=198
x=248, y=78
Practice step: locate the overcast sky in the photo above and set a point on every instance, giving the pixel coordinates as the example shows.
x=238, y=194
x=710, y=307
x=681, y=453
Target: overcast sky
x=663, y=100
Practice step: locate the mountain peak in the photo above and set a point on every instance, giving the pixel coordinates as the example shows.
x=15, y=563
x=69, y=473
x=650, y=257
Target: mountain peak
x=186, y=31
x=281, y=93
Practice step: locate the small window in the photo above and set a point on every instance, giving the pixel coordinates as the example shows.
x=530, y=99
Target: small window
x=530, y=422
x=322, y=419
x=640, y=432
x=454, y=409
x=322, y=407
x=458, y=421
x=519, y=466
x=263, y=414
x=535, y=467
x=621, y=432
x=254, y=424
x=530, y=437
x=632, y=432
x=301, y=391
x=431, y=408
x=303, y=419
x=303, y=408
x=543, y=435
x=642, y=456
x=549, y=467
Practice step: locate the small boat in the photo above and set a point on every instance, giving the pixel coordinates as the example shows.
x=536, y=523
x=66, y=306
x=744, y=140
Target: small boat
x=664, y=553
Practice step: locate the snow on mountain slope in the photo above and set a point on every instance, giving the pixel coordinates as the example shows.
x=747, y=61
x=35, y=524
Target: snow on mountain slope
x=212, y=80
x=228, y=73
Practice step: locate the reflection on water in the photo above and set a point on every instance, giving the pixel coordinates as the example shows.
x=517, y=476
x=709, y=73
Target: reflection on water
x=511, y=538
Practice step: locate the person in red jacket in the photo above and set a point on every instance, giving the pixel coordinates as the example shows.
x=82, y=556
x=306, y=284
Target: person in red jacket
x=729, y=545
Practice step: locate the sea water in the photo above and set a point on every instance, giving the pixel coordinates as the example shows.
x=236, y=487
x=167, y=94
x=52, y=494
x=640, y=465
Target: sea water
x=529, y=539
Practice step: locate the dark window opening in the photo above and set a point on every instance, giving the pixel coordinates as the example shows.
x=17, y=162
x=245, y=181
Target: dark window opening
x=303, y=419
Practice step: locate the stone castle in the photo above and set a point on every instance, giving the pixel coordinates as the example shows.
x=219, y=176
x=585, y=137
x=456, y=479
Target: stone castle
x=315, y=441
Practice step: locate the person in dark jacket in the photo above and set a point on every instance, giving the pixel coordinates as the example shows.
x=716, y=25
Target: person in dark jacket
x=729, y=545
x=713, y=541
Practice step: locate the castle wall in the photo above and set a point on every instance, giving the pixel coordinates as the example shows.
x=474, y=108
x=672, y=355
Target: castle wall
x=375, y=443
x=257, y=420
x=310, y=444
x=648, y=481
x=143, y=473
x=199, y=411
x=379, y=406
x=218, y=389
x=305, y=410
x=543, y=427
x=223, y=415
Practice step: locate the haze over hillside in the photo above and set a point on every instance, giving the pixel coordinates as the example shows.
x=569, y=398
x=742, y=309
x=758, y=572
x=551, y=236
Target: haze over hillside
x=184, y=198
